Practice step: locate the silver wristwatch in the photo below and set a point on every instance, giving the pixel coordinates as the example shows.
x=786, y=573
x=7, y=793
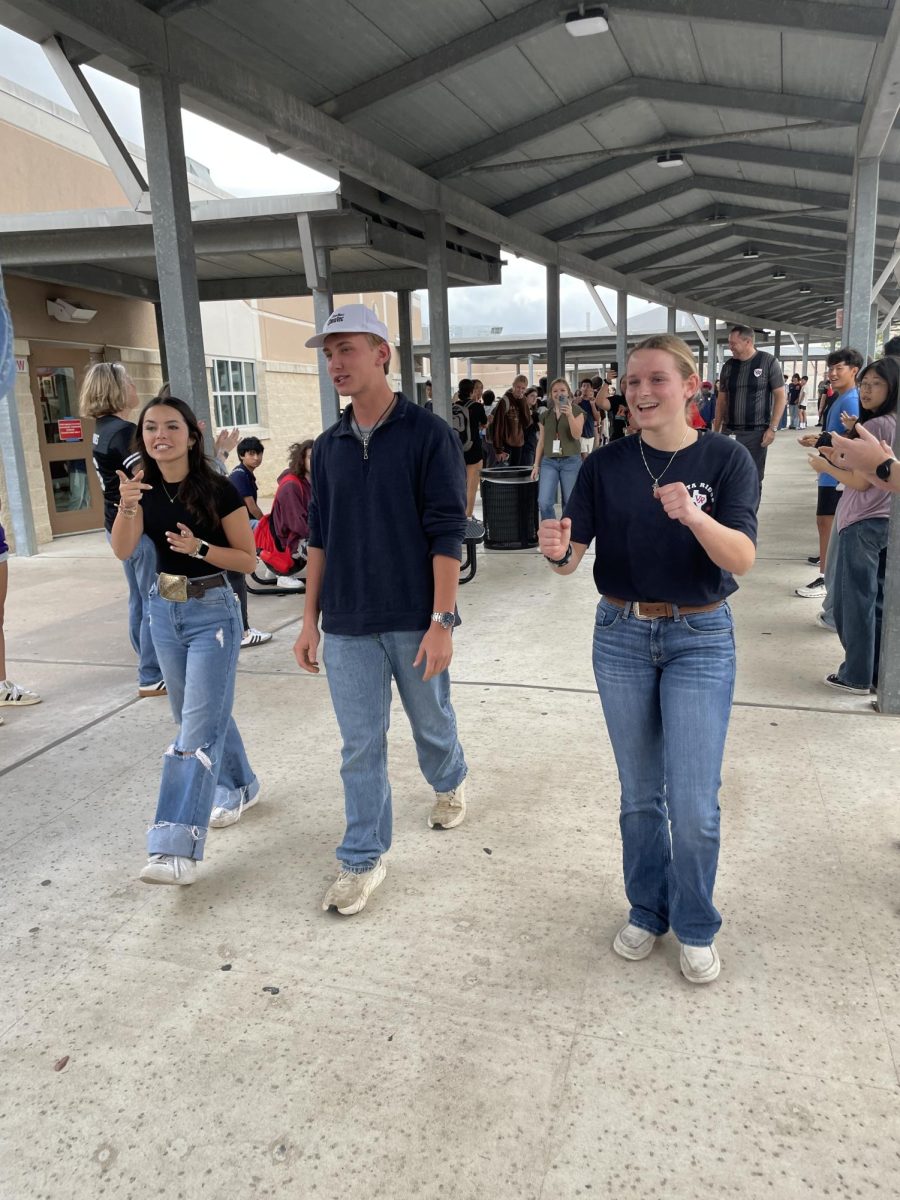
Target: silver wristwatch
x=201, y=551
x=446, y=620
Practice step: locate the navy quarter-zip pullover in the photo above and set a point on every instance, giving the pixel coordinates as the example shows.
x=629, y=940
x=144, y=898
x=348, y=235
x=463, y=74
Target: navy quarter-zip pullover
x=381, y=519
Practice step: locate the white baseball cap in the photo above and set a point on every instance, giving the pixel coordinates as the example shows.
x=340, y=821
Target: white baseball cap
x=351, y=318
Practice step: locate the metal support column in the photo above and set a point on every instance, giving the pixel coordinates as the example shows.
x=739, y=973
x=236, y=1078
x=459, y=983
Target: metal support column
x=712, y=340
x=407, y=360
x=438, y=313
x=530, y=369
x=777, y=347
x=12, y=452
x=161, y=339
x=317, y=271
x=554, y=356
x=671, y=320
x=804, y=370
x=861, y=257
x=621, y=332
x=173, y=239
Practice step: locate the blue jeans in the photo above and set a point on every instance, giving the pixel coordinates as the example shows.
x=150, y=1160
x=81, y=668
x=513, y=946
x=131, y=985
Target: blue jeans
x=557, y=474
x=198, y=642
x=359, y=672
x=140, y=571
x=832, y=558
x=666, y=688
x=859, y=599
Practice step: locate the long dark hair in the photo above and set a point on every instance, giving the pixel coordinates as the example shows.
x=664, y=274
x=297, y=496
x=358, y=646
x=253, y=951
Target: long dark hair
x=297, y=454
x=203, y=486
x=887, y=369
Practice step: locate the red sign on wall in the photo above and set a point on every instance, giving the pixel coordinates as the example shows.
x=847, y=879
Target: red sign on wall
x=69, y=429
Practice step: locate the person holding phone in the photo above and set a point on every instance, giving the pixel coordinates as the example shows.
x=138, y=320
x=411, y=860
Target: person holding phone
x=557, y=459
x=673, y=510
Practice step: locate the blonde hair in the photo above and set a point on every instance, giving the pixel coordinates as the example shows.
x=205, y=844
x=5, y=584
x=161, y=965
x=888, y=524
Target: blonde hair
x=677, y=347
x=104, y=391
x=375, y=341
x=565, y=384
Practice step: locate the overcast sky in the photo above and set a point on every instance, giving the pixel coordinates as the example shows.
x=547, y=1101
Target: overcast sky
x=518, y=304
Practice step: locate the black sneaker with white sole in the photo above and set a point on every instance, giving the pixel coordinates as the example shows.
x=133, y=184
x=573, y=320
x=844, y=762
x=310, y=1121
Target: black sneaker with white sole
x=840, y=686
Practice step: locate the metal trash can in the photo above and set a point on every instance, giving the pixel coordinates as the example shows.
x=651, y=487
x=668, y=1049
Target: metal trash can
x=509, y=508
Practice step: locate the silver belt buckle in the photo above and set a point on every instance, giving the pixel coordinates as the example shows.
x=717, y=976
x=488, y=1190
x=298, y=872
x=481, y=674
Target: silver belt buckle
x=636, y=609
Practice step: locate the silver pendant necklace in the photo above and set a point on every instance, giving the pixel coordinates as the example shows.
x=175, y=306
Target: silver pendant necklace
x=656, y=478
x=365, y=438
x=171, y=499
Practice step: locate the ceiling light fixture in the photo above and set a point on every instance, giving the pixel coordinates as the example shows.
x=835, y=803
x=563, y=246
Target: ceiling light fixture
x=779, y=275
x=748, y=253
x=587, y=21
x=805, y=291
x=670, y=159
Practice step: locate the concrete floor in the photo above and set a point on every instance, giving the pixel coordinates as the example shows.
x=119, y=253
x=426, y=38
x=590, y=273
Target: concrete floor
x=471, y=1034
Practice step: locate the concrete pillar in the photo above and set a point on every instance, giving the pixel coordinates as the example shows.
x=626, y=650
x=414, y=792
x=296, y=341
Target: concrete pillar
x=621, y=332
x=861, y=257
x=173, y=240
x=407, y=361
x=671, y=320
x=438, y=313
x=20, y=515
x=554, y=355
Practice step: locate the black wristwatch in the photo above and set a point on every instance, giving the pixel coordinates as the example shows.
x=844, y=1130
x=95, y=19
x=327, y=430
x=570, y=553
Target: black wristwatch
x=883, y=470
x=560, y=562
x=202, y=550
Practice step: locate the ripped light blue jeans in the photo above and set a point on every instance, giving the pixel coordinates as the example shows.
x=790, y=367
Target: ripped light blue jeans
x=198, y=642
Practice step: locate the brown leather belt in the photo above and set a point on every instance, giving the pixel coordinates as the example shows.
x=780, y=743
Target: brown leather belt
x=656, y=610
x=181, y=587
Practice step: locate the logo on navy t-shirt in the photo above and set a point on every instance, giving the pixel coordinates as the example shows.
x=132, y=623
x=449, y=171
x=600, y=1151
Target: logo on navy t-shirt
x=702, y=494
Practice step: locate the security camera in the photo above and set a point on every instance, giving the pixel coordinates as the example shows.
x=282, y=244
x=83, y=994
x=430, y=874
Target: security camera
x=70, y=314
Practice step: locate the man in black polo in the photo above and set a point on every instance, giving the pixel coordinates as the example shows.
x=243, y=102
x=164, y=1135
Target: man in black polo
x=751, y=399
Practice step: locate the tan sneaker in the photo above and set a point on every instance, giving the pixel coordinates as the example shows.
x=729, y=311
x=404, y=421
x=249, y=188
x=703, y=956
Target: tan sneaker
x=634, y=943
x=351, y=890
x=449, y=808
x=700, y=964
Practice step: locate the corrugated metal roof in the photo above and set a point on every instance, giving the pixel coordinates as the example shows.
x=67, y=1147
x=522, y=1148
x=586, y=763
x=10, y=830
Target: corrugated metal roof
x=655, y=77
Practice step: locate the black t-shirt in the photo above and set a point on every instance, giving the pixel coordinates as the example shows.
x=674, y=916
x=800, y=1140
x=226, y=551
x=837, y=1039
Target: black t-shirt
x=618, y=416
x=162, y=514
x=477, y=421
x=642, y=554
x=112, y=442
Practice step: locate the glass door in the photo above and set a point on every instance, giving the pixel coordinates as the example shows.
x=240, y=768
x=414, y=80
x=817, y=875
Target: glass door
x=73, y=491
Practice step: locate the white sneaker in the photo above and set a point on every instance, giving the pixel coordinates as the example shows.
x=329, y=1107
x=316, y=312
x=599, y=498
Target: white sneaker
x=263, y=574
x=18, y=697
x=634, y=943
x=700, y=964
x=220, y=817
x=823, y=624
x=254, y=637
x=813, y=591
x=449, y=808
x=291, y=583
x=169, y=868
x=350, y=892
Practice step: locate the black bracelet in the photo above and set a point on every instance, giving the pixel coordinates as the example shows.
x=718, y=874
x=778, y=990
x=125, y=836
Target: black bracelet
x=560, y=562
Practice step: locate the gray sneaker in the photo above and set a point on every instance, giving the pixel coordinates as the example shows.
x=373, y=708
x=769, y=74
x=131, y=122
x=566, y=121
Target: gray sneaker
x=634, y=943
x=351, y=890
x=700, y=964
x=449, y=808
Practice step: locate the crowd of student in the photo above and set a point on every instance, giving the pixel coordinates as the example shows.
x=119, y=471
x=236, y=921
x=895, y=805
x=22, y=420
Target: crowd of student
x=670, y=502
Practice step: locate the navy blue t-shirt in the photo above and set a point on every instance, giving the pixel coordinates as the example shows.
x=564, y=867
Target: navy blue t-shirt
x=589, y=428
x=641, y=554
x=245, y=482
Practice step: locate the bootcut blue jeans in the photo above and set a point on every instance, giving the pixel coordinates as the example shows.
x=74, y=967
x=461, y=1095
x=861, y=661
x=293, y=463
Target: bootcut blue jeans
x=198, y=642
x=359, y=672
x=666, y=688
x=859, y=599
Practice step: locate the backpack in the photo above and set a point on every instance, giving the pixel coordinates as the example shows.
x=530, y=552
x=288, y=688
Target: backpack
x=463, y=426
